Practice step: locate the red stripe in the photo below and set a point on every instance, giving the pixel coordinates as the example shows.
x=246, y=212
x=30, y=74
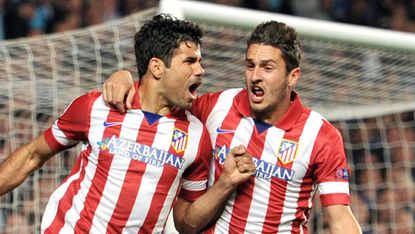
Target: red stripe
x=127, y=197
x=65, y=203
x=279, y=190
x=166, y=180
x=132, y=182
x=303, y=212
x=230, y=122
x=83, y=225
x=75, y=124
x=245, y=191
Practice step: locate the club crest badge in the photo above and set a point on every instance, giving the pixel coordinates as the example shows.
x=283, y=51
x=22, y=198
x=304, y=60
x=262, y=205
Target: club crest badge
x=179, y=140
x=287, y=151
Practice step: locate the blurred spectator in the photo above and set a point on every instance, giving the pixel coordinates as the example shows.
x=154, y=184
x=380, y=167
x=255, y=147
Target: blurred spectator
x=280, y=6
x=43, y=14
x=318, y=9
x=2, y=10
x=22, y=18
x=16, y=223
x=131, y=6
x=405, y=221
x=17, y=17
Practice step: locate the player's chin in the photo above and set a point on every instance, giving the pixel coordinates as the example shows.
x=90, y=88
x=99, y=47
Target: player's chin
x=186, y=105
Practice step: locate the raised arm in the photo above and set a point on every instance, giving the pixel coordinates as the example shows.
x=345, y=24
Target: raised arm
x=341, y=220
x=192, y=217
x=119, y=88
x=23, y=162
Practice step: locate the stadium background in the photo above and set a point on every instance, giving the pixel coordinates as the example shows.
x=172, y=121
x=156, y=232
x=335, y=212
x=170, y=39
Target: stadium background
x=367, y=90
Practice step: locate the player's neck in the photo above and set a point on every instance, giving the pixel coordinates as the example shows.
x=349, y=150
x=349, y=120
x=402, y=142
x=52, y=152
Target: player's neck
x=151, y=100
x=274, y=115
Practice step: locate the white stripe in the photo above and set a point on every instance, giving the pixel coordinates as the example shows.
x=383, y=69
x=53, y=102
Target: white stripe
x=333, y=187
x=98, y=114
x=195, y=130
x=262, y=188
x=52, y=206
x=215, y=119
x=242, y=136
x=150, y=179
x=60, y=136
x=220, y=111
x=300, y=166
x=194, y=185
x=118, y=170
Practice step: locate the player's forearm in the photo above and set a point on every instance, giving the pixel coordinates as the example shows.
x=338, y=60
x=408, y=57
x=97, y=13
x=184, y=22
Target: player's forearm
x=346, y=227
x=20, y=164
x=341, y=220
x=206, y=209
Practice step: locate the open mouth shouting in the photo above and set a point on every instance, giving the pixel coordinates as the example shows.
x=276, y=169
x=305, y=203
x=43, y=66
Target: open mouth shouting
x=257, y=94
x=193, y=89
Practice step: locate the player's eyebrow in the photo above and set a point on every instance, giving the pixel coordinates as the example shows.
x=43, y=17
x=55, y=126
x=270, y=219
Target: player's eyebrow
x=261, y=62
x=192, y=59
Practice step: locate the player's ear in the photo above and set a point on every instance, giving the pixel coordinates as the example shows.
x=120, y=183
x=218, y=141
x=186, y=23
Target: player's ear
x=156, y=67
x=294, y=76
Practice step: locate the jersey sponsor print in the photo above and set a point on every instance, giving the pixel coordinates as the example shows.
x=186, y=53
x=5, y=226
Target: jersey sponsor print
x=131, y=168
x=300, y=155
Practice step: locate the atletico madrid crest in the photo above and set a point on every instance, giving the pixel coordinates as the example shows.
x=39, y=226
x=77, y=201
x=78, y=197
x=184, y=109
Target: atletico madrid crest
x=179, y=140
x=287, y=151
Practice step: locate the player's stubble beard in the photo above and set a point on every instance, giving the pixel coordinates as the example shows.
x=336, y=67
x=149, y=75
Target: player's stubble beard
x=281, y=94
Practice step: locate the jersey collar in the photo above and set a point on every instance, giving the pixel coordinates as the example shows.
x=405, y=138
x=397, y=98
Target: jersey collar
x=285, y=123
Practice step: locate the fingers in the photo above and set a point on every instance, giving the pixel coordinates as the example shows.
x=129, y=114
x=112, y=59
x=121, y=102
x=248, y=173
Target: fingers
x=130, y=98
x=245, y=164
x=107, y=94
x=238, y=150
x=243, y=160
x=119, y=88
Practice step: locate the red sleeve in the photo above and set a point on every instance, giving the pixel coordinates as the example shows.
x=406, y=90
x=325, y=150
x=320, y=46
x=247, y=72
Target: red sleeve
x=73, y=125
x=332, y=172
x=198, y=171
x=203, y=105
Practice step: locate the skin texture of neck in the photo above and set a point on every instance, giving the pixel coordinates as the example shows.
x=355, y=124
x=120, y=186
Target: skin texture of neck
x=151, y=98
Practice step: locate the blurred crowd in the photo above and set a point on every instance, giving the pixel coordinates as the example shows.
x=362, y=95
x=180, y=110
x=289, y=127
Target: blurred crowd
x=381, y=149
x=389, y=14
x=22, y=18
x=382, y=155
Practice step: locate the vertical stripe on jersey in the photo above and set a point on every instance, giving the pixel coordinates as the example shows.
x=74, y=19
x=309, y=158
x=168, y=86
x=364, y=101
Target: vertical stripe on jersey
x=56, y=201
x=109, y=214
x=72, y=202
x=245, y=128
x=160, y=206
x=300, y=166
x=99, y=177
x=215, y=119
x=259, y=209
x=195, y=129
x=150, y=178
x=244, y=195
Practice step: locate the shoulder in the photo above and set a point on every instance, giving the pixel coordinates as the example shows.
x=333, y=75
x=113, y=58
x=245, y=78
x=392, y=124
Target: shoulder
x=228, y=93
x=327, y=129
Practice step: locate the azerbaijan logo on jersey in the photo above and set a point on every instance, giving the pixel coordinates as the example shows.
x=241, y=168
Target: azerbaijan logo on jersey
x=179, y=140
x=287, y=151
x=264, y=170
x=140, y=152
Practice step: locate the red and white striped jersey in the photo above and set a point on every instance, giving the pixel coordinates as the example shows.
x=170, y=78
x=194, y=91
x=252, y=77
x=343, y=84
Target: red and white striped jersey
x=131, y=168
x=300, y=155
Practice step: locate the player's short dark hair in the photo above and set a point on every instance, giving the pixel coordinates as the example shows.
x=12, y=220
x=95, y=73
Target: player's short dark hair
x=281, y=36
x=160, y=37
